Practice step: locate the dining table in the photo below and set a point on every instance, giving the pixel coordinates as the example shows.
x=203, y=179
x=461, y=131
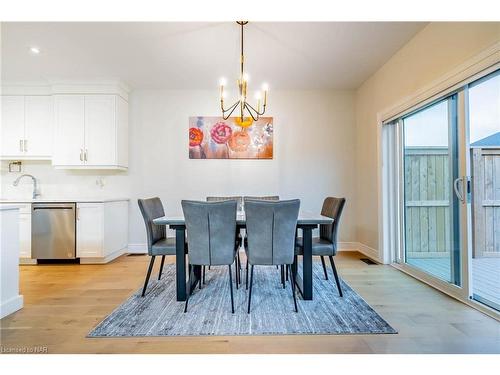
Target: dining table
x=306, y=221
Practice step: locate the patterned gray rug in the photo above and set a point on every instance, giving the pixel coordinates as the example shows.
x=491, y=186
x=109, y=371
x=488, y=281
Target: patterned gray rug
x=209, y=311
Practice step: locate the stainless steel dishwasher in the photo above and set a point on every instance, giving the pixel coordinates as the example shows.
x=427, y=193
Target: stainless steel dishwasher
x=53, y=229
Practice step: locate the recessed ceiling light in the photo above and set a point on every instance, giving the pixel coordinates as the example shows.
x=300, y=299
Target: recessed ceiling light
x=35, y=50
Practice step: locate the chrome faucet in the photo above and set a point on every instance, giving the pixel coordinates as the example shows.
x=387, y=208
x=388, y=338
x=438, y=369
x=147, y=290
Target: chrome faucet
x=35, y=185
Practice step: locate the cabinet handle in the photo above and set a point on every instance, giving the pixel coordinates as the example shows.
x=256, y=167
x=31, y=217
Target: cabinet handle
x=26, y=145
x=77, y=213
x=21, y=145
x=81, y=154
x=85, y=155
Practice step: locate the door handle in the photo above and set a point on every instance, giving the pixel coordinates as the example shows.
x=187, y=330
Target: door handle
x=85, y=155
x=26, y=145
x=81, y=154
x=456, y=188
x=21, y=146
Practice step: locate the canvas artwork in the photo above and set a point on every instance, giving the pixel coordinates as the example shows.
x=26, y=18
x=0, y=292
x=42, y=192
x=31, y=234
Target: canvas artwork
x=216, y=138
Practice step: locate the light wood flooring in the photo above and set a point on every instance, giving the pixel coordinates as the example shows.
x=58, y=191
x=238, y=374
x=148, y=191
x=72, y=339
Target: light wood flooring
x=64, y=302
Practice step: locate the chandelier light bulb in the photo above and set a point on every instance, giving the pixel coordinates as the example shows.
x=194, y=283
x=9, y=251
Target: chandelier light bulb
x=265, y=87
x=246, y=77
x=258, y=95
x=223, y=81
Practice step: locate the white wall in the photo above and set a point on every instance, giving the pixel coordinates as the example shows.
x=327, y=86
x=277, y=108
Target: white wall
x=313, y=157
x=433, y=52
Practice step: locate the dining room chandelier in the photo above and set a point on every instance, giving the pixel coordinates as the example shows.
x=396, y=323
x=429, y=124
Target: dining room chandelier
x=244, y=106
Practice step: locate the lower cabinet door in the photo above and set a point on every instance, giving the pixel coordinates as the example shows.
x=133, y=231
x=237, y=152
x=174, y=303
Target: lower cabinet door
x=89, y=230
x=25, y=235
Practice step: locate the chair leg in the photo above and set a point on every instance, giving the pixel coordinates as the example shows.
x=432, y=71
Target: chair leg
x=161, y=266
x=283, y=276
x=203, y=276
x=246, y=276
x=292, y=280
x=250, y=292
x=187, y=295
x=236, y=273
x=239, y=265
x=334, y=269
x=231, y=287
x=150, y=268
x=324, y=267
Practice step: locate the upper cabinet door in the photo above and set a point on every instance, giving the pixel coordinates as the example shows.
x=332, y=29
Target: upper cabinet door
x=12, y=126
x=38, y=126
x=69, y=139
x=100, y=130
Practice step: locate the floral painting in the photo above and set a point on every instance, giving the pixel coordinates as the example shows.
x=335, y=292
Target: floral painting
x=216, y=138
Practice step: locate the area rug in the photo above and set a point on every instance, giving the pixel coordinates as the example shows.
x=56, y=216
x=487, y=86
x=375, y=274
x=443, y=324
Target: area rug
x=209, y=310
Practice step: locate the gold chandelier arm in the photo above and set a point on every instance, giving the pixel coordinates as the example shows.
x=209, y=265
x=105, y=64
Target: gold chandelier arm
x=251, y=111
x=230, y=110
x=256, y=112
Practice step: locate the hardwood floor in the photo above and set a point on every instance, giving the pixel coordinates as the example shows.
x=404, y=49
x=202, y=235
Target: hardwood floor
x=64, y=302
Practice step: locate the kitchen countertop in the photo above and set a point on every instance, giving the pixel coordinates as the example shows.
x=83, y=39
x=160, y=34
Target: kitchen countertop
x=48, y=200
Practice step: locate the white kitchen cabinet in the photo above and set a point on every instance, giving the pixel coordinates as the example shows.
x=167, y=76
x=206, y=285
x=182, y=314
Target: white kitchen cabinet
x=26, y=127
x=12, y=126
x=101, y=231
x=89, y=230
x=38, y=120
x=69, y=135
x=91, y=132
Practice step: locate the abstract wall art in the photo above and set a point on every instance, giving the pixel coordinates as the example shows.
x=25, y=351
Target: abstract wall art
x=216, y=138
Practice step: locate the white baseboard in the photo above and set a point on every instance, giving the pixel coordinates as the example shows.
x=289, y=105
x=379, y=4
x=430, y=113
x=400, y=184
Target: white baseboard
x=348, y=246
x=369, y=252
x=11, y=305
x=27, y=262
x=102, y=260
x=137, y=248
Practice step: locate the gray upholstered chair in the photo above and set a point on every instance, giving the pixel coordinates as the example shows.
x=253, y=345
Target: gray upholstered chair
x=158, y=243
x=261, y=198
x=211, y=236
x=326, y=243
x=239, y=236
x=271, y=236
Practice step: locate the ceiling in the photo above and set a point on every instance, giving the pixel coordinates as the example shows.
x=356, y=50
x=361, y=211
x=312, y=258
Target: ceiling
x=188, y=55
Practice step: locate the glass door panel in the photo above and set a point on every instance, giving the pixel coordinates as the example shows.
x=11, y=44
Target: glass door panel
x=431, y=208
x=484, y=134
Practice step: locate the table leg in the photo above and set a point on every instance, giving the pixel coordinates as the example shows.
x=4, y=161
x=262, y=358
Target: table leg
x=305, y=283
x=180, y=263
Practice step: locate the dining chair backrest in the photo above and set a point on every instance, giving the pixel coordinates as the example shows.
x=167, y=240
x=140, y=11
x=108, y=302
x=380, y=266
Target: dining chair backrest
x=237, y=198
x=264, y=198
x=211, y=231
x=271, y=230
x=332, y=207
x=151, y=209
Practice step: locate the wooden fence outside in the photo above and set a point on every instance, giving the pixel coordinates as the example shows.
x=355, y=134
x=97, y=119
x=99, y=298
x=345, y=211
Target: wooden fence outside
x=486, y=202
x=427, y=202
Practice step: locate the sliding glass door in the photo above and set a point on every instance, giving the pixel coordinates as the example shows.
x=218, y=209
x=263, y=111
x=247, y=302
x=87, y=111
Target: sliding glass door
x=431, y=216
x=442, y=187
x=484, y=151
